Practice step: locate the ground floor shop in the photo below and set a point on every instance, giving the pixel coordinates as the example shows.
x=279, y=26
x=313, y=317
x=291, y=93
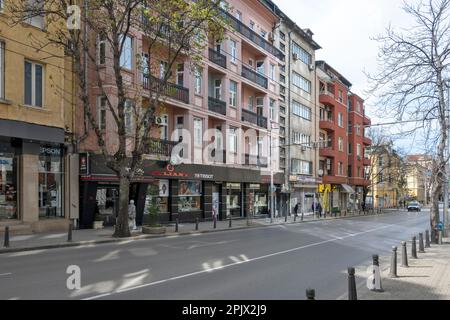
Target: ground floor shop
x=304, y=192
x=336, y=199
x=36, y=177
x=184, y=192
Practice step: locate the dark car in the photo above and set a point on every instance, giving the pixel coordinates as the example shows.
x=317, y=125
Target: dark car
x=414, y=206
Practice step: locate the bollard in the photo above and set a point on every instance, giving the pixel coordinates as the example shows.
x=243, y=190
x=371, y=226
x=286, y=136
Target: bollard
x=176, y=225
x=230, y=223
x=69, y=234
x=413, y=248
x=295, y=217
x=285, y=218
x=440, y=237
x=6, y=242
x=421, y=247
x=215, y=222
x=310, y=294
x=427, y=239
x=393, y=271
x=196, y=224
x=351, y=284
x=376, y=275
x=404, y=255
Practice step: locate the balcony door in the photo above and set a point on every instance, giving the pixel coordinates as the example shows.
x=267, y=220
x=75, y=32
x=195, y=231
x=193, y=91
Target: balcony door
x=259, y=106
x=260, y=67
x=163, y=122
x=218, y=89
x=198, y=139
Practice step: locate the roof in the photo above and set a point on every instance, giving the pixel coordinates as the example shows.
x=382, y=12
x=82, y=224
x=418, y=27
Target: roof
x=327, y=68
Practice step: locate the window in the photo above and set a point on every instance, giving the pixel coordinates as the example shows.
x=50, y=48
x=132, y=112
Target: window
x=238, y=15
x=252, y=24
x=128, y=116
x=358, y=150
x=341, y=97
x=272, y=109
x=35, y=6
x=189, y=195
x=301, y=138
x=301, y=110
x=233, y=51
x=34, y=86
x=350, y=150
x=301, y=82
x=380, y=161
x=101, y=49
x=301, y=167
x=282, y=78
x=250, y=103
x=198, y=132
x=380, y=177
x=340, y=144
x=101, y=121
x=358, y=172
x=272, y=72
x=180, y=74
x=303, y=55
x=233, y=93
x=340, y=120
x=340, y=168
x=282, y=36
x=233, y=140
x=126, y=56
x=349, y=171
x=358, y=106
x=282, y=47
x=260, y=67
x=198, y=80
x=162, y=69
x=218, y=89
x=358, y=129
x=2, y=69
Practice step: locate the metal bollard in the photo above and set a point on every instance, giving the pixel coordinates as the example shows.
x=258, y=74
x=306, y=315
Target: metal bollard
x=295, y=217
x=351, y=284
x=404, y=255
x=69, y=234
x=427, y=239
x=310, y=294
x=196, y=224
x=413, y=248
x=176, y=225
x=285, y=218
x=6, y=242
x=393, y=271
x=215, y=222
x=230, y=224
x=421, y=246
x=376, y=274
x=440, y=237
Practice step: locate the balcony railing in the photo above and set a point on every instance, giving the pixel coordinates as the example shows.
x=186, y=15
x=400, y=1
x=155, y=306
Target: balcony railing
x=161, y=147
x=254, y=77
x=327, y=93
x=254, y=118
x=218, y=106
x=222, y=159
x=252, y=35
x=217, y=58
x=259, y=161
x=167, y=89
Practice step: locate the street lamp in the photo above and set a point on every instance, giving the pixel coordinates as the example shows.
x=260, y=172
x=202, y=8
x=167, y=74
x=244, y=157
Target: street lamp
x=273, y=125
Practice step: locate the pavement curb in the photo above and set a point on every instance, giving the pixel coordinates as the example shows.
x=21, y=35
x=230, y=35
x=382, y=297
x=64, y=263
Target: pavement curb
x=146, y=237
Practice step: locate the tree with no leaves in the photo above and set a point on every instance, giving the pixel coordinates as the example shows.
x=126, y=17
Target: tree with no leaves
x=174, y=30
x=410, y=83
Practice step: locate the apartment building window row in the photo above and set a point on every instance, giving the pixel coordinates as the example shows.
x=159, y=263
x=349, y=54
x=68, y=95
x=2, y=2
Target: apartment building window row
x=34, y=85
x=233, y=93
x=301, y=138
x=126, y=57
x=233, y=140
x=301, y=110
x=272, y=109
x=340, y=120
x=301, y=82
x=101, y=121
x=301, y=167
x=303, y=55
x=233, y=51
x=198, y=80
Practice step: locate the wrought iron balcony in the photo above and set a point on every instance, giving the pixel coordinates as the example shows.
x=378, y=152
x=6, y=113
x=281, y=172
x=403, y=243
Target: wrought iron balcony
x=254, y=118
x=161, y=147
x=259, y=161
x=217, y=105
x=254, y=76
x=167, y=89
x=217, y=58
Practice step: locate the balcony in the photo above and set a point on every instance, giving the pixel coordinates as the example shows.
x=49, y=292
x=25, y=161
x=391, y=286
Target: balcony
x=167, y=89
x=222, y=159
x=252, y=35
x=217, y=106
x=358, y=182
x=259, y=161
x=161, y=147
x=327, y=152
x=255, y=77
x=331, y=179
x=254, y=118
x=367, y=162
x=367, y=121
x=327, y=125
x=326, y=97
x=217, y=58
x=367, y=141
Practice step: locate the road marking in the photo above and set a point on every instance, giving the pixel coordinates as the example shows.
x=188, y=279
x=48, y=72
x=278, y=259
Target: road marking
x=221, y=267
x=5, y=274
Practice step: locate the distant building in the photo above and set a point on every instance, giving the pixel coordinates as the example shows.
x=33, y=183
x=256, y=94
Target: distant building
x=419, y=177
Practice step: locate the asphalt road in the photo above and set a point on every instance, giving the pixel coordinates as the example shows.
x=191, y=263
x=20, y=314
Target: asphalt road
x=277, y=262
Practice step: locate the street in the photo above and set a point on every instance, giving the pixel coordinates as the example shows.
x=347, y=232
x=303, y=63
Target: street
x=276, y=262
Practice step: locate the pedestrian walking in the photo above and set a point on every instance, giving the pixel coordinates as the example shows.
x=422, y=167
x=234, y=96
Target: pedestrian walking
x=132, y=215
x=319, y=209
x=296, y=209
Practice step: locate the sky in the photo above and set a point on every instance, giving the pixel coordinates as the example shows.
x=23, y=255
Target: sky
x=343, y=28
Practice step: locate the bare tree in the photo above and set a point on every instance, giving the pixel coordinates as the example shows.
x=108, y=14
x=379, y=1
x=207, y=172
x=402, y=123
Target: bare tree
x=411, y=81
x=174, y=30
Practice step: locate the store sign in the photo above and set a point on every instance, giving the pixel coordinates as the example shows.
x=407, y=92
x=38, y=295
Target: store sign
x=204, y=176
x=84, y=164
x=233, y=186
x=303, y=179
x=170, y=172
x=324, y=187
x=255, y=186
x=49, y=151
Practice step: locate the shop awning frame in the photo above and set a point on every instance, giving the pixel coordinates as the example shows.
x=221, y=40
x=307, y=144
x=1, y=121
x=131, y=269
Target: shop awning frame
x=347, y=188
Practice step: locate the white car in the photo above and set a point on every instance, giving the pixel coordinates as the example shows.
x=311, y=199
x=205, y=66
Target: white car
x=414, y=206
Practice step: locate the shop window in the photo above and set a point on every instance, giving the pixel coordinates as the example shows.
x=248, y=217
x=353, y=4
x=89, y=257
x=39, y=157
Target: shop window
x=157, y=199
x=189, y=196
x=8, y=182
x=50, y=182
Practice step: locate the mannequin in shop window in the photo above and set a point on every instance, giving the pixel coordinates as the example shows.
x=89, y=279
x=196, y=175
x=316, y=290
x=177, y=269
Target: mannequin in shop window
x=132, y=215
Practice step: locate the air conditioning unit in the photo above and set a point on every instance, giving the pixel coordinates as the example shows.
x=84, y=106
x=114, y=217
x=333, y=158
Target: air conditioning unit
x=271, y=37
x=304, y=148
x=311, y=67
x=161, y=121
x=295, y=56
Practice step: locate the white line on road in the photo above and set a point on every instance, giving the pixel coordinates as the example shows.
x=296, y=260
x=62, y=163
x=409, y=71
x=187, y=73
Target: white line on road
x=5, y=274
x=231, y=264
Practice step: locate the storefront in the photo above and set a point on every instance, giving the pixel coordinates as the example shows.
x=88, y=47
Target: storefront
x=304, y=192
x=8, y=180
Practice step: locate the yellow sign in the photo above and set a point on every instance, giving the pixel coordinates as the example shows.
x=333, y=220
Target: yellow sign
x=324, y=187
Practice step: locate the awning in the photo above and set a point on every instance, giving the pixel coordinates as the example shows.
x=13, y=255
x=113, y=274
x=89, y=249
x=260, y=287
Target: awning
x=347, y=188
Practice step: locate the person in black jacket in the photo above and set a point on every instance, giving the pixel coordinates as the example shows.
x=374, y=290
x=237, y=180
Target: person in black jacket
x=296, y=209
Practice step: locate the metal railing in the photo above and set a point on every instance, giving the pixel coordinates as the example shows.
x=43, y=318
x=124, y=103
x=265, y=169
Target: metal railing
x=167, y=89
x=161, y=147
x=254, y=118
x=217, y=105
x=254, y=76
x=217, y=58
x=259, y=161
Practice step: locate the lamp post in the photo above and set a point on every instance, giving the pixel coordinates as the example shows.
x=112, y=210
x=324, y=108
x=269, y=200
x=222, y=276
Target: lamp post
x=273, y=125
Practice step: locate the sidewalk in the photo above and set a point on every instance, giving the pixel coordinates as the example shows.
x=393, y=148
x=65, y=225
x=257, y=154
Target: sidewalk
x=89, y=236
x=427, y=278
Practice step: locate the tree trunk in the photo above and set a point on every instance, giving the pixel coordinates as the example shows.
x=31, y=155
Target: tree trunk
x=122, y=229
x=434, y=213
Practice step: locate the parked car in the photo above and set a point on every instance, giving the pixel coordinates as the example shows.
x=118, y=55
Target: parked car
x=414, y=206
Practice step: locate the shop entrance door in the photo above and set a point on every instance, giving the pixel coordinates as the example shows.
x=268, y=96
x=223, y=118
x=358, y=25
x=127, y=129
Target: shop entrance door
x=107, y=208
